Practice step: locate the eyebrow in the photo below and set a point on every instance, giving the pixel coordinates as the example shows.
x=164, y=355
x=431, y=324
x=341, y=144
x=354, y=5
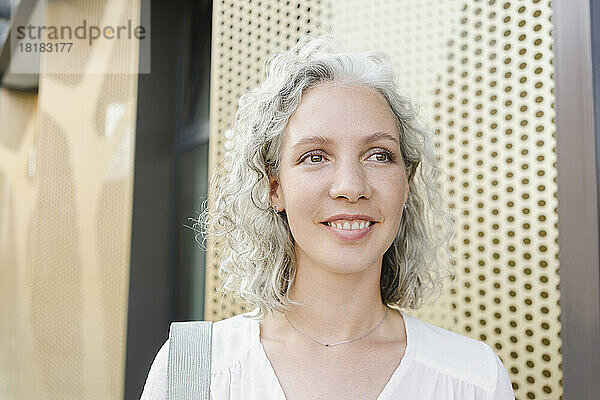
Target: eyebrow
x=325, y=141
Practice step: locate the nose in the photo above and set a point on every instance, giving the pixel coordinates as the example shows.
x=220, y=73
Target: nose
x=350, y=182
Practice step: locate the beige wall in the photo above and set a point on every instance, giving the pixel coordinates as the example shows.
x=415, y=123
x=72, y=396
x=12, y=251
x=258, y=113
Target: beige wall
x=66, y=179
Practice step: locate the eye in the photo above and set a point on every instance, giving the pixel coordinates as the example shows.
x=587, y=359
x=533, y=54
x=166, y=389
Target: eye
x=313, y=156
x=383, y=156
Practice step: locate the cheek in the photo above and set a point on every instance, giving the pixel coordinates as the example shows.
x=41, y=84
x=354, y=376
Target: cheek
x=303, y=199
x=390, y=190
x=297, y=193
x=301, y=190
x=391, y=185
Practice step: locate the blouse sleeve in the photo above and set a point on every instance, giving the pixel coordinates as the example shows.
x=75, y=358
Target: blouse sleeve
x=156, y=383
x=504, y=389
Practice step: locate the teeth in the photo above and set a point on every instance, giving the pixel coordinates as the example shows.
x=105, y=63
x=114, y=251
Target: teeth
x=346, y=225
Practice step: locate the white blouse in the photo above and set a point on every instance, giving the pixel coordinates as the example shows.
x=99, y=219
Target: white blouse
x=437, y=364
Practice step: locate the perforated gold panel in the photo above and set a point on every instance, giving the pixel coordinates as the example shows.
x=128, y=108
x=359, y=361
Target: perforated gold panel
x=482, y=71
x=66, y=178
x=495, y=118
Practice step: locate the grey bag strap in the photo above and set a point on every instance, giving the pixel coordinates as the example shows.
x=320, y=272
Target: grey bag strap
x=188, y=373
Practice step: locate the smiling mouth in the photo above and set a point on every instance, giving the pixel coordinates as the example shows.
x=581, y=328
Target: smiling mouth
x=371, y=223
x=350, y=235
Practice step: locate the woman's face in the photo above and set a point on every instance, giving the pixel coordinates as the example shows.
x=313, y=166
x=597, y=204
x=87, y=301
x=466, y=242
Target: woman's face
x=341, y=155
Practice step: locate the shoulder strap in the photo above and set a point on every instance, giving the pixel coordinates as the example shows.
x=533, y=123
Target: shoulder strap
x=188, y=372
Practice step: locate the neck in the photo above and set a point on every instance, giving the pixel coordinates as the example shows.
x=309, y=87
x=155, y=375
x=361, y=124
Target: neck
x=337, y=305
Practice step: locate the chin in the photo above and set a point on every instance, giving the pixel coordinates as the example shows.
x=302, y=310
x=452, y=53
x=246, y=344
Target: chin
x=347, y=264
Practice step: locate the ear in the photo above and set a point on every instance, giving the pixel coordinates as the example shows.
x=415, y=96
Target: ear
x=275, y=193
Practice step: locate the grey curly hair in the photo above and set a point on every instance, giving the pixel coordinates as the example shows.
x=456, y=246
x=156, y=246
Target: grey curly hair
x=258, y=263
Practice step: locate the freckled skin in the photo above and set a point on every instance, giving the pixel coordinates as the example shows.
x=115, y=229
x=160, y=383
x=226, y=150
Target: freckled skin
x=349, y=178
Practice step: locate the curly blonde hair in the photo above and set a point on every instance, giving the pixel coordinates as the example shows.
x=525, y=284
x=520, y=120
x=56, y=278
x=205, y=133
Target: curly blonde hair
x=258, y=264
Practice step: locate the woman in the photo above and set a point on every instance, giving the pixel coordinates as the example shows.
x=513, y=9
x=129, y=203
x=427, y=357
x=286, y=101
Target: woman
x=333, y=219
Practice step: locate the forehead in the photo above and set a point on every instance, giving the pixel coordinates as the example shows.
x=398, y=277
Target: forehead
x=341, y=112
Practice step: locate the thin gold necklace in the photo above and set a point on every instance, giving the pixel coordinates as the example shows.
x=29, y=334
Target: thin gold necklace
x=343, y=341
